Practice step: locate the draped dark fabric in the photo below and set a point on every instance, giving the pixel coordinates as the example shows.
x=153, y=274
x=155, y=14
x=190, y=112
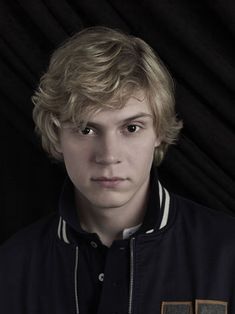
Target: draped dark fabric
x=195, y=39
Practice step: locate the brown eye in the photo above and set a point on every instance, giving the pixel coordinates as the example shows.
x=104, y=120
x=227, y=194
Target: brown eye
x=85, y=131
x=132, y=128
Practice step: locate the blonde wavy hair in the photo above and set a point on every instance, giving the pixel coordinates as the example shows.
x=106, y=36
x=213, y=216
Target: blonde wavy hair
x=100, y=68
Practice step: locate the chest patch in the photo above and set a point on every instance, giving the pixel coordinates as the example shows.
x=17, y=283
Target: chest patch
x=176, y=308
x=197, y=307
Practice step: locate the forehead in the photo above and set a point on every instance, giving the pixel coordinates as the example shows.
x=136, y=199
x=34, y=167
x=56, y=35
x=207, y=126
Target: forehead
x=137, y=105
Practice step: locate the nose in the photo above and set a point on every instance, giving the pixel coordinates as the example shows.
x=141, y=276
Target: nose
x=108, y=150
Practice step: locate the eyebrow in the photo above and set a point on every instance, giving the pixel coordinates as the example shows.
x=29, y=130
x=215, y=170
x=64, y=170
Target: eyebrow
x=129, y=119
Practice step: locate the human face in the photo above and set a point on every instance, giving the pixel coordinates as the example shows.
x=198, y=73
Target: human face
x=109, y=160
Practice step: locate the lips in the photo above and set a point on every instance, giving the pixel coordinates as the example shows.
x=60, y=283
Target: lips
x=108, y=179
x=108, y=182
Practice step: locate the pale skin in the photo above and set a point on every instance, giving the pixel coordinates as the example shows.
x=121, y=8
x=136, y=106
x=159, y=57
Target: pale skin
x=109, y=163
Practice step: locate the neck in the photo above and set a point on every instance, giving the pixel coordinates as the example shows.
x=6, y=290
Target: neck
x=109, y=223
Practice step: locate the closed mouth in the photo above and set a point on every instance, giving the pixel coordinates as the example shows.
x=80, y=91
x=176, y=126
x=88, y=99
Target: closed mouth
x=111, y=179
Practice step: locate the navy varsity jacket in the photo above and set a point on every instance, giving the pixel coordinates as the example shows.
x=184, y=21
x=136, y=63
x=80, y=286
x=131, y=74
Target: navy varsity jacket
x=185, y=264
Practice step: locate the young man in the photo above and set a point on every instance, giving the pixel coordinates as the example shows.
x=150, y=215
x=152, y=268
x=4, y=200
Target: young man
x=120, y=243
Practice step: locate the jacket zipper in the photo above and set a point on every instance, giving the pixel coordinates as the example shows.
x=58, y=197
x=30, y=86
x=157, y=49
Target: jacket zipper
x=75, y=280
x=131, y=275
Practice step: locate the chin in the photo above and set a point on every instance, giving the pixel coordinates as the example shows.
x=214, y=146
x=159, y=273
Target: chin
x=109, y=202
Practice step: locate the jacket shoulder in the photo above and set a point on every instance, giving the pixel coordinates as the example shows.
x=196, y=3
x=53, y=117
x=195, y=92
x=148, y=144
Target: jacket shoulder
x=201, y=219
x=34, y=236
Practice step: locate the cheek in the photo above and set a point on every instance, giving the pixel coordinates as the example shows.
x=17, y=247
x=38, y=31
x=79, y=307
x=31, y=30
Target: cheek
x=75, y=158
x=146, y=147
x=141, y=155
x=74, y=151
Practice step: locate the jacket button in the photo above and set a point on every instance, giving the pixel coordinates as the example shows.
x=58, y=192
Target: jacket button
x=101, y=277
x=93, y=244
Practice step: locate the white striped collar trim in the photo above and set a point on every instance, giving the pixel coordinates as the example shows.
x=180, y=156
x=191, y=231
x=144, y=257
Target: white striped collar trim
x=160, y=193
x=62, y=230
x=165, y=210
x=164, y=205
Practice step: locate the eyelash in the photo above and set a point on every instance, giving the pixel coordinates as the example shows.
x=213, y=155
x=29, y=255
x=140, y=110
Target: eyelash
x=79, y=130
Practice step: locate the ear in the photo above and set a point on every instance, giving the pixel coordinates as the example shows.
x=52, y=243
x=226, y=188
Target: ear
x=58, y=147
x=56, y=123
x=157, y=142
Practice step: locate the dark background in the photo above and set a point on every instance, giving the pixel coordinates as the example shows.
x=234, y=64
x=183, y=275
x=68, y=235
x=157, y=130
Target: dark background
x=195, y=40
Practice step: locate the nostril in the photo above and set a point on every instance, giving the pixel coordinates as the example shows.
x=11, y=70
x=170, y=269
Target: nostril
x=107, y=159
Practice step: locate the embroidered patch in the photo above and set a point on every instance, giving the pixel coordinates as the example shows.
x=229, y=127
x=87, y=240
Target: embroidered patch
x=210, y=307
x=201, y=307
x=176, y=308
